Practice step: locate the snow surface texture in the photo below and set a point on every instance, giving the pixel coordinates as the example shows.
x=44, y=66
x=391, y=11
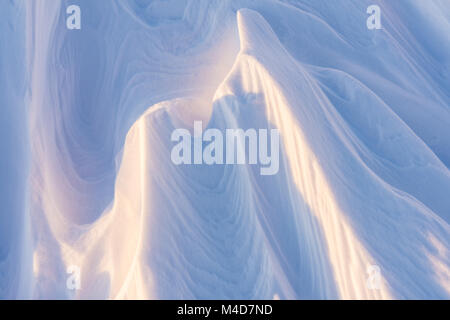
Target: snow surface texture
x=86, y=178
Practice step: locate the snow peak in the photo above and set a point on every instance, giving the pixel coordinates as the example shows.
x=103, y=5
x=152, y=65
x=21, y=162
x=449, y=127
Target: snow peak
x=201, y=311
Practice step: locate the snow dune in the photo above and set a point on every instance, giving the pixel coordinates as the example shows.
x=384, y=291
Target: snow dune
x=87, y=180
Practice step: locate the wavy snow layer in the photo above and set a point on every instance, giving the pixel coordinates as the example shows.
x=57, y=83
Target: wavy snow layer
x=86, y=175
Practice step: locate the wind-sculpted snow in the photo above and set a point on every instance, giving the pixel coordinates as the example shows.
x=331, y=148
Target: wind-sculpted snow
x=87, y=179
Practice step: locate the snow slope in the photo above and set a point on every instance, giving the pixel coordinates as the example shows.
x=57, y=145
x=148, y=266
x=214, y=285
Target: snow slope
x=87, y=180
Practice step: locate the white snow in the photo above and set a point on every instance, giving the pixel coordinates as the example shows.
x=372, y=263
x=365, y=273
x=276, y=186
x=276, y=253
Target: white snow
x=86, y=178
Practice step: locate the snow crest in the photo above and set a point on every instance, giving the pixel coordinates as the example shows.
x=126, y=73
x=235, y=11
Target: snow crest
x=87, y=180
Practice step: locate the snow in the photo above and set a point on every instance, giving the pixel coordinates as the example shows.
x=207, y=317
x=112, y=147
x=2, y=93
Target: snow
x=86, y=178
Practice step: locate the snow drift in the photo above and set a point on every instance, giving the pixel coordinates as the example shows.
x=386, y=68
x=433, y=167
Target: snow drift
x=86, y=176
